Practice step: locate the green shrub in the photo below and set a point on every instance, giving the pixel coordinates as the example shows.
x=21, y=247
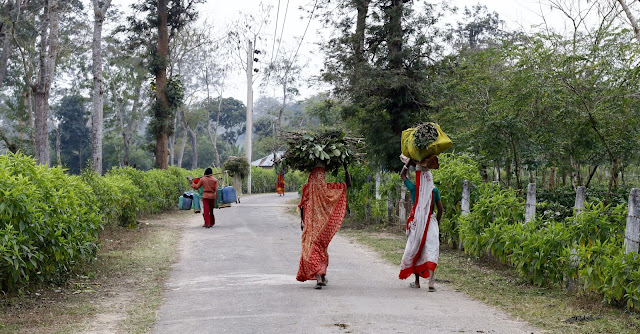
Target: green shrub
x=449, y=178
x=493, y=206
x=50, y=222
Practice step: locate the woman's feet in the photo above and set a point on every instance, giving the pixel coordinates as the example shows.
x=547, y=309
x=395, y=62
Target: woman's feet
x=414, y=285
x=321, y=281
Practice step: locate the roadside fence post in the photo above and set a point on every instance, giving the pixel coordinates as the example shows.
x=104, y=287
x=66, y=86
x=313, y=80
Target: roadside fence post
x=632, y=231
x=531, y=203
x=465, y=205
x=402, y=212
x=581, y=193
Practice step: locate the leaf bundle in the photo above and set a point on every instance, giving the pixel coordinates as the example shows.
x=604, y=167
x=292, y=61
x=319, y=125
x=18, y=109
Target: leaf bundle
x=425, y=135
x=307, y=149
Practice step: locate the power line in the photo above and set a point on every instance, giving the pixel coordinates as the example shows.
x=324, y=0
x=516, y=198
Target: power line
x=275, y=32
x=282, y=30
x=315, y=5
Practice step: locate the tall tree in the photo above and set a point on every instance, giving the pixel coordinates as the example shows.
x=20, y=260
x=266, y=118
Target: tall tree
x=97, y=128
x=48, y=50
x=164, y=18
x=382, y=74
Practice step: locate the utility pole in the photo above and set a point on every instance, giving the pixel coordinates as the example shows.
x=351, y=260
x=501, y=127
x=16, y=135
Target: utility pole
x=249, y=131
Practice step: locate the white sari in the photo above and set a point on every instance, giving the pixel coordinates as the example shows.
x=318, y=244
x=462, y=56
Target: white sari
x=423, y=245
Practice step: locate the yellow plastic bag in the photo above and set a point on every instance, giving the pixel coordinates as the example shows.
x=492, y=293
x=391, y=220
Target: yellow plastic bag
x=410, y=150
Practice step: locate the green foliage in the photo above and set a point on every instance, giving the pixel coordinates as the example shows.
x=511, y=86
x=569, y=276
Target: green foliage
x=307, y=149
x=75, y=148
x=454, y=169
x=50, y=222
x=238, y=165
x=495, y=206
x=587, y=248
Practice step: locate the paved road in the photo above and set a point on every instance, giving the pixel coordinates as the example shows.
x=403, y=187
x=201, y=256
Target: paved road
x=239, y=277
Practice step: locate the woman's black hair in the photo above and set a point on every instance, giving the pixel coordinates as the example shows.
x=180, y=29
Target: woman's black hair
x=208, y=171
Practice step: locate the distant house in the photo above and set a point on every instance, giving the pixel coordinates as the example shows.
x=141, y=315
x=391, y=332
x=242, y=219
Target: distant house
x=267, y=162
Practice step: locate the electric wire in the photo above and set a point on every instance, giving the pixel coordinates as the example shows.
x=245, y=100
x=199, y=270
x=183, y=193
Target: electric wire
x=290, y=63
x=284, y=20
x=275, y=32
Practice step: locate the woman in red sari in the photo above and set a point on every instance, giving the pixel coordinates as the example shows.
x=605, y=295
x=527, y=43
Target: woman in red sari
x=323, y=206
x=280, y=184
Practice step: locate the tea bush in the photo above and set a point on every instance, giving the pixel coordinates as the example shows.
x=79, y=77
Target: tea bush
x=449, y=178
x=264, y=180
x=50, y=222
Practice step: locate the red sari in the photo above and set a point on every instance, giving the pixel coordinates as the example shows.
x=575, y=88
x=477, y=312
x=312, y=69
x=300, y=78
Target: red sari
x=280, y=184
x=324, y=205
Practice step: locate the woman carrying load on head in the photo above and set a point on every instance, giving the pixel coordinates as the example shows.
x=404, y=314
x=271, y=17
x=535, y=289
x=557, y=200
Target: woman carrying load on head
x=421, y=253
x=210, y=186
x=323, y=206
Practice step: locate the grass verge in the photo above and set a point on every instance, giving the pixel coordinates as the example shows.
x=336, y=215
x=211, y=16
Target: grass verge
x=550, y=309
x=119, y=292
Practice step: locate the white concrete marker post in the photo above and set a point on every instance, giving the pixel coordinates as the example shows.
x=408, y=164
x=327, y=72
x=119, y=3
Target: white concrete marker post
x=530, y=214
x=632, y=231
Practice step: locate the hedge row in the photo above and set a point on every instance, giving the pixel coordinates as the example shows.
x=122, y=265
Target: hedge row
x=50, y=221
x=555, y=249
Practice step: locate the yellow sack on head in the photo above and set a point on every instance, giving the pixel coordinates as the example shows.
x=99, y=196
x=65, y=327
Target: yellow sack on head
x=410, y=150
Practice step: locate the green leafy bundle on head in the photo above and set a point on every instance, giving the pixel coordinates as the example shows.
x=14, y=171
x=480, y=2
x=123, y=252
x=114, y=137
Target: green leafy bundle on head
x=238, y=165
x=425, y=135
x=307, y=149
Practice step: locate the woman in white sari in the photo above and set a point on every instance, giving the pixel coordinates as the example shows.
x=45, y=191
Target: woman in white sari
x=423, y=245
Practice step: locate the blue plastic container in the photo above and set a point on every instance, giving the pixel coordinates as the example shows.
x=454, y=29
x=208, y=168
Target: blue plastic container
x=228, y=195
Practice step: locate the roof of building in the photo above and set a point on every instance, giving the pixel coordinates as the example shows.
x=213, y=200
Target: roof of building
x=267, y=161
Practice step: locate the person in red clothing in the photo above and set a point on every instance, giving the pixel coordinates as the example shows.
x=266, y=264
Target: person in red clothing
x=210, y=186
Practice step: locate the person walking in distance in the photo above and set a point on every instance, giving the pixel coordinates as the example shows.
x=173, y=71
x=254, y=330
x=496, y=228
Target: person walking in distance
x=210, y=186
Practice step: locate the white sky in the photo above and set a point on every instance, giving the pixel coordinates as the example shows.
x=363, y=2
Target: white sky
x=517, y=14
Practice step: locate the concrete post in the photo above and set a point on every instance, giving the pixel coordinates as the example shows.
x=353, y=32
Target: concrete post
x=632, y=231
x=531, y=203
x=465, y=205
x=581, y=193
x=378, y=182
x=402, y=212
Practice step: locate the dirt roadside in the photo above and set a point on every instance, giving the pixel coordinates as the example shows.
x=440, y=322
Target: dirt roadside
x=118, y=293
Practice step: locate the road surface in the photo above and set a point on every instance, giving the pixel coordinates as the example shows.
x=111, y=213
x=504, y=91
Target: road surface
x=239, y=277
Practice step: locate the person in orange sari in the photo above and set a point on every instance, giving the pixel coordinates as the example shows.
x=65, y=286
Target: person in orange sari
x=280, y=184
x=323, y=206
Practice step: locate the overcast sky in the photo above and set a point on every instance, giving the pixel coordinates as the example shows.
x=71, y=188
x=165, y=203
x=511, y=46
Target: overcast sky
x=517, y=14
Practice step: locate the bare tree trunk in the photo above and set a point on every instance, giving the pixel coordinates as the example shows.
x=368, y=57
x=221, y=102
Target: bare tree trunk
x=184, y=140
x=284, y=103
x=214, y=140
x=194, y=147
x=97, y=126
x=517, y=163
x=634, y=22
x=58, y=145
x=362, y=7
x=552, y=178
x=591, y=173
x=162, y=135
x=41, y=89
